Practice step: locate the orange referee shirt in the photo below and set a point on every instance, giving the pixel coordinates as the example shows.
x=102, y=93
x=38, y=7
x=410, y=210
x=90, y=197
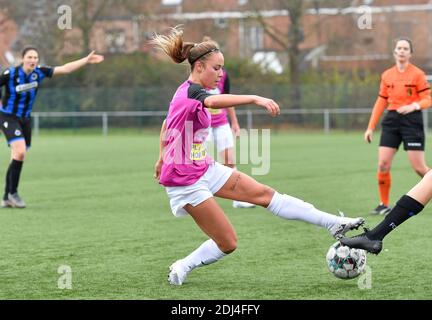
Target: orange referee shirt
x=399, y=89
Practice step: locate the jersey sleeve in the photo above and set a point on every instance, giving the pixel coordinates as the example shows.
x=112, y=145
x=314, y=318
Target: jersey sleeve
x=47, y=71
x=379, y=106
x=383, y=92
x=424, y=91
x=197, y=92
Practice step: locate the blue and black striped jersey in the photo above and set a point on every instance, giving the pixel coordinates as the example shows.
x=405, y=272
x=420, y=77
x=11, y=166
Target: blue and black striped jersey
x=21, y=89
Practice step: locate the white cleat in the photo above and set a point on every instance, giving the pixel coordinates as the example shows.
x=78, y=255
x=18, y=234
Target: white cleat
x=242, y=204
x=338, y=230
x=6, y=204
x=178, y=273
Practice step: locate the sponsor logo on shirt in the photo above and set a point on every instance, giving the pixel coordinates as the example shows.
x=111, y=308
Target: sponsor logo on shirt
x=198, y=151
x=26, y=86
x=215, y=111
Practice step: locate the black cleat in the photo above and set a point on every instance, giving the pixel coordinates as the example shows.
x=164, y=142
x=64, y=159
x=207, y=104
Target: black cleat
x=363, y=242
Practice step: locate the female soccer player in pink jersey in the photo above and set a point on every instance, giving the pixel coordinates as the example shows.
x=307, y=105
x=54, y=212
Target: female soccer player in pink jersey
x=191, y=178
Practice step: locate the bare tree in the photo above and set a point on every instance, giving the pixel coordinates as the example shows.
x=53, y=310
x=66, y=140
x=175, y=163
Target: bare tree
x=87, y=13
x=37, y=25
x=289, y=40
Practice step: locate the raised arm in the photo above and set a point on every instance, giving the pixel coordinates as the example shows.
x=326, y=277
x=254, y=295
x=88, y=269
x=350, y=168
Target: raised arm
x=220, y=101
x=77, y=64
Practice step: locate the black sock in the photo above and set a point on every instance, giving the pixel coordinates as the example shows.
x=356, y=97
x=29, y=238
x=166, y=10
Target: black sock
x=7, y=184
x=405, y=208
x=15, y=168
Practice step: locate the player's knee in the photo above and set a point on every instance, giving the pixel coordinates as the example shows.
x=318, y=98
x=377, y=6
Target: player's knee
x=383, y=166
x=264, y=195
x=421, y=170
x=228, y=245
x=19, y=154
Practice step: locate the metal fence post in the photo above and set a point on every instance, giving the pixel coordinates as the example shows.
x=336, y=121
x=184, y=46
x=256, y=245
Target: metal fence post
x=249, y=119
x=326, y=120
x=36, y=123
x=105, y=124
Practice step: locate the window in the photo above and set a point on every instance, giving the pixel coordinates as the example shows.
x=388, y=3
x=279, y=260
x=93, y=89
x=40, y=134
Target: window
x=116, y=40
x=221, y=23
x=256, y=37
x=171, y=2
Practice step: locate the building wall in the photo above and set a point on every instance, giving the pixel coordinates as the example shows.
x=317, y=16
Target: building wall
x=8, y=32
x=345, y=44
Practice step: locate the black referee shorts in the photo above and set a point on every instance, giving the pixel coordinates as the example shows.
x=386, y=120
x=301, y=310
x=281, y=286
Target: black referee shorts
x=15, y=128
x=408, y=128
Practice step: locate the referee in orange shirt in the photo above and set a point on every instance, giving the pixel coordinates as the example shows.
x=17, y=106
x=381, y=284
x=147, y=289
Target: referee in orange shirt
x=404, y=92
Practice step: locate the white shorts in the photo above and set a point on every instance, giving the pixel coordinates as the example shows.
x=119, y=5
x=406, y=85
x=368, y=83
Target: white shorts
x=223, y=137
x=210, y=183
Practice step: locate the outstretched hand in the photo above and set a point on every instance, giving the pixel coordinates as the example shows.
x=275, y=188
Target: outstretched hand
x=94, y=58
x=271, y=106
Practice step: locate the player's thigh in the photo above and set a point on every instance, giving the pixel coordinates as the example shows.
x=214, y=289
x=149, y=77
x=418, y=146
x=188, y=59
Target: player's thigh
x=242, y=187
x=18, y=149
x=385, y=157
x=422, y=192
x=209, y=216
x=418, y=162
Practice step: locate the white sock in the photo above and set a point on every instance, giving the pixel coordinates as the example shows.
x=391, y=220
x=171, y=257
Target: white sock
x=291, y=208
x=205, y=254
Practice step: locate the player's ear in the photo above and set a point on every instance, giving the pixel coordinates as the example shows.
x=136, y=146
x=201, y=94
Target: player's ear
x=200, y=66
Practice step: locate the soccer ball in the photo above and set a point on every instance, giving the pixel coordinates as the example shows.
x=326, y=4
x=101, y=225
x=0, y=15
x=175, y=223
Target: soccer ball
x=345, y=262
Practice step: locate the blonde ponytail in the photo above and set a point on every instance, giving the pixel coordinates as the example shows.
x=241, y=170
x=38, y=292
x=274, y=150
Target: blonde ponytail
x=178, y=50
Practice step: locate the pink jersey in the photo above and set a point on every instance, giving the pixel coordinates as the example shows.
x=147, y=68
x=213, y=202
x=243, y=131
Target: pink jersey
x=219, y=116
x=187, y=126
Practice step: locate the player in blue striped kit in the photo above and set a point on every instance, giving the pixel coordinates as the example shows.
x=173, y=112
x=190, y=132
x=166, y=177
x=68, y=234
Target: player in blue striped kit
x=21, y=86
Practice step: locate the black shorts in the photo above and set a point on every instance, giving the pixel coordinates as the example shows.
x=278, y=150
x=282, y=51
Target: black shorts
x=15, y=128
x=407, y=128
